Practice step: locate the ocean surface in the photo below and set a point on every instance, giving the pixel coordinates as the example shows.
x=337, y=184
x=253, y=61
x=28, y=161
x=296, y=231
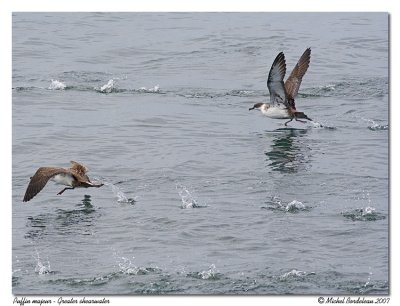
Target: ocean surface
x=201, y=195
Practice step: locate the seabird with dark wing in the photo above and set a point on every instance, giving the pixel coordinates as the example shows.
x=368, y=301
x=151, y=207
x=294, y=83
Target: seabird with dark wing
x=283, y=94
x=72, y=178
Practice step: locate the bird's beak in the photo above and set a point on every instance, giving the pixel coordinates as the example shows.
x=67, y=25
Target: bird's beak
x=251, y=108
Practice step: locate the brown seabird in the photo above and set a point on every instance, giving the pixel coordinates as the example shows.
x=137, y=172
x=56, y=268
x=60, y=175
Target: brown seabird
x=72, y=177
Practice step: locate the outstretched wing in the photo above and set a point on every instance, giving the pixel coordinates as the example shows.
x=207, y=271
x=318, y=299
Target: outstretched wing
x=275, y=80
x=293, y=82
x=40, y=179
x=78, y=168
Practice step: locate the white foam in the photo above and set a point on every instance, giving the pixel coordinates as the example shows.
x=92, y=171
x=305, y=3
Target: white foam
x=372, y=124
x=294, y=274
x=316, y=124
x=109, y=87
x=156, y=88
x=368, y=211
x=187, y=199
x=328, y=87
x=295, y=205
x=125, y=265
x=209, y=274
x=57, y=85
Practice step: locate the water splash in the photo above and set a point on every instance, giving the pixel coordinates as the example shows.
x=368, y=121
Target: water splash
x=119, y=194
x=294, y=274
x=291, y=207
x=372, y=125
x=363, y=214
x=367, y=283
x=155, y=89
x=328, y=87
x=295, y=206
x=40, y=267
x=318, y=125
x=107, y=88
x=211, y=273
x=188, y=201
x=126, y=266
x=367, y=213
x=57, y=85
x=378, y=127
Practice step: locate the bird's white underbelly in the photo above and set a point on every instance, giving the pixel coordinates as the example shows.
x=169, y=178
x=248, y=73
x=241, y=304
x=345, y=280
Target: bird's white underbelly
x=276, y=113
x=63, y=179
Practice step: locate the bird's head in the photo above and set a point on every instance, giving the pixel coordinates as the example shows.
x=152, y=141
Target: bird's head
x=258, y=106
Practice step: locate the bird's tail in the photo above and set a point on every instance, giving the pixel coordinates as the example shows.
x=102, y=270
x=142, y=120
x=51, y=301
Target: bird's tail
x=301, y=115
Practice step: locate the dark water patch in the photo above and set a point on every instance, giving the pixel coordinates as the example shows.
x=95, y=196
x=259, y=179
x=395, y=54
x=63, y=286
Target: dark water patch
x=90, y=282
x=288, y=152
x=24, y=88
x=37, y=226
x=15, y=281
x=249, y=285
x=378, y=127
x=363, y=214
x=363, y=288
x=166, y=284
x=63, y=221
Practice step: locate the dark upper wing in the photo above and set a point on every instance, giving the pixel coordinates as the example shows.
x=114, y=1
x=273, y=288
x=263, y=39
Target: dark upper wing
x=40, y=179
x=275, y=80
x=293, y=82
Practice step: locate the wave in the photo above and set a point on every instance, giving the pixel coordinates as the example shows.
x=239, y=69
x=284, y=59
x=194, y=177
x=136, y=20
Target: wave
x=110, y=87
x=150, y=280
x=353, y=88
x=356, y=88
x=372, y=125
